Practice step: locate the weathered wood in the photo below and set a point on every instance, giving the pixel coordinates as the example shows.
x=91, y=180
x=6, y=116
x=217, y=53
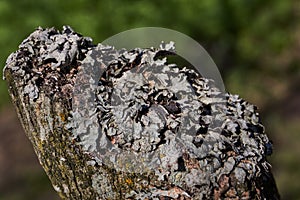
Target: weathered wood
x=108, y=124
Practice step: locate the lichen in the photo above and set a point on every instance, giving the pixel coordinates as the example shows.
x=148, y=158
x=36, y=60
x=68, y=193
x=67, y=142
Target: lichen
x=115, y=124
x=141, y=114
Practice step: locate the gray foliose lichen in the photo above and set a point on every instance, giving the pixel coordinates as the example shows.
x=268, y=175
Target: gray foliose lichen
x=147, y=115
x=135, y=113
x=48, y=58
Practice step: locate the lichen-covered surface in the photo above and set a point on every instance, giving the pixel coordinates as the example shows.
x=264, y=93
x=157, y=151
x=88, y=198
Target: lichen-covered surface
x=126, y=124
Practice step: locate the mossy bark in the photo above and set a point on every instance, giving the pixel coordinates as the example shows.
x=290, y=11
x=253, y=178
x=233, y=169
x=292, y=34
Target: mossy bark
x=63, y=162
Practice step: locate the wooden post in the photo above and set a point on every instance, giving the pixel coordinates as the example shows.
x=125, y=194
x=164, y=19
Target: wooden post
x=109, y=124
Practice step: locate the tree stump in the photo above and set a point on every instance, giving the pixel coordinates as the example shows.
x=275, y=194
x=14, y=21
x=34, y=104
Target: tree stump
x=120, y=124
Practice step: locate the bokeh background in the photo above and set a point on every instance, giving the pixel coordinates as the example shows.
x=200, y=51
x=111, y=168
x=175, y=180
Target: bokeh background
x=254, y=43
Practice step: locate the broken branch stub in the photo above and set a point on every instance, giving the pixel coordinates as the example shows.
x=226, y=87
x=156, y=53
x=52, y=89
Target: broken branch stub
x=119, y=124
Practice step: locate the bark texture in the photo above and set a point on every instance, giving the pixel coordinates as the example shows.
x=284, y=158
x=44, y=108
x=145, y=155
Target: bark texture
x=118, y=124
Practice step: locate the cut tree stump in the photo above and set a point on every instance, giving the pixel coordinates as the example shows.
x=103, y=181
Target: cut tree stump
x=120, y=124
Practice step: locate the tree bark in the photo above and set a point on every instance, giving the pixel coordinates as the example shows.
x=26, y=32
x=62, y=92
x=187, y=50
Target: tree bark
x=71, y=97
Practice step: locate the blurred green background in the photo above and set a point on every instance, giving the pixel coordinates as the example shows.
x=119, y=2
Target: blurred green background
x=254, y=43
